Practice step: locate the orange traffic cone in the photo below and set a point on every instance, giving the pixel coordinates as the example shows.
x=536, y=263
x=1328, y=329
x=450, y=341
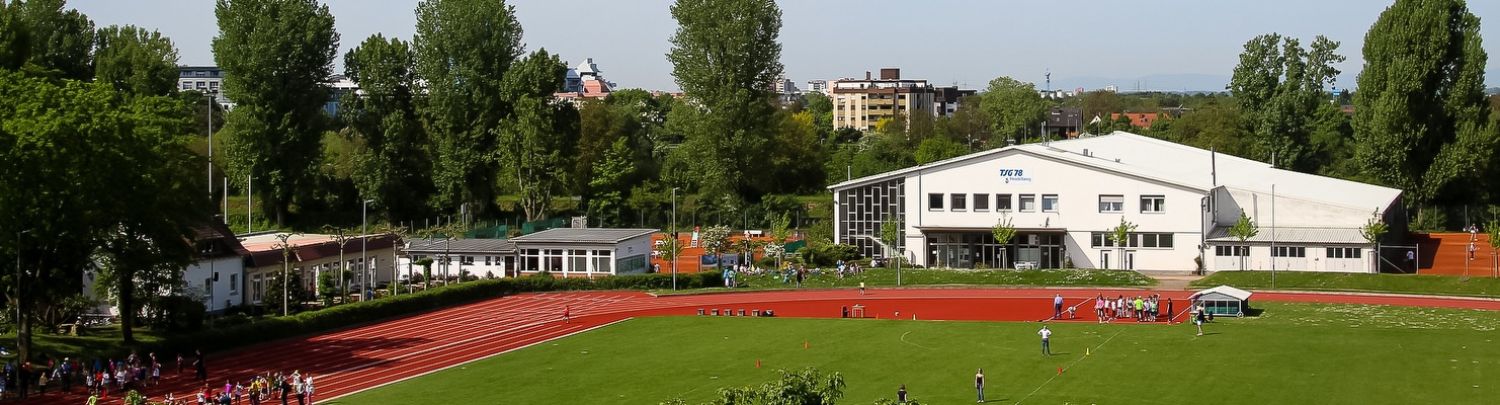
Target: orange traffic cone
x=1059, y=370
x=805, y=345
x=757, y=363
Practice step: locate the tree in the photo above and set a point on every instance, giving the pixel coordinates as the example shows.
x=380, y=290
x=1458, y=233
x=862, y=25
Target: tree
x=536, y=138
x=1280, y=87
x=725, y=56
x=1121, y=235
x=152, y=208
x=780, y=232
x=136, y=61
x=890, y=236
x=464, y=50
x=1243, y=229
x=279, y=84
x=393, y=159
x=60, y=42
x=1373, y=231
x=609, y=179
x=1420, y=119
x=715, y=240
x=1492, y=231
x=1014, y=108
x=936, y=149
x=1003, y=231
x=821, y=108
x=15, y=36
x=795, y=161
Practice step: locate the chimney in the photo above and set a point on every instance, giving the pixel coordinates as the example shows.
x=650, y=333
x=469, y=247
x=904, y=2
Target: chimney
x=867, y=75
x=890, y=74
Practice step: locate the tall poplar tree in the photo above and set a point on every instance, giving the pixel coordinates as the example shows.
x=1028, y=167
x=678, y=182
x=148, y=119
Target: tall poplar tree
x=725, y=55
x=394, y=157
x=1420, y=116
x=464, y=49
x=277, y=57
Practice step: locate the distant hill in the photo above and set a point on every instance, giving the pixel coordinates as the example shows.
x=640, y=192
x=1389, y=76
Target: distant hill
x=1191, y=82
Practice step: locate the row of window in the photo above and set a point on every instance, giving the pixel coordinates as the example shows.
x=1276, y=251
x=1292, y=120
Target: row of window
x=1289, y=251
x=1141, y=240
x=1108, y=204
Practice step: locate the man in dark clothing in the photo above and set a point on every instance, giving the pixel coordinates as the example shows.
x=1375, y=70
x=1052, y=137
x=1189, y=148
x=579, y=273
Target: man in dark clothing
x=286, y=390
x=201, y=368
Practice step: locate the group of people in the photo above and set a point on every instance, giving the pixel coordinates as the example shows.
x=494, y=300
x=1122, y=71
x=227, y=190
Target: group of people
x=99, y=377
x=294, y=388
x=848, y=269
x=1142, y=309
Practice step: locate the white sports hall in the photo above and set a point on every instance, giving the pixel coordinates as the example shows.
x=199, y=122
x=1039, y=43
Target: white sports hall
x=1065, y=197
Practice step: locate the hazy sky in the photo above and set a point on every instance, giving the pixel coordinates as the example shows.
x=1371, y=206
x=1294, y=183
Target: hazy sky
x=1170, y=45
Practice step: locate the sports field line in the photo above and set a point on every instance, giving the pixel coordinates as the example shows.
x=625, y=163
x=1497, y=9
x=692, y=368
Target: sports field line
x=1069, y=366
x=324, y=401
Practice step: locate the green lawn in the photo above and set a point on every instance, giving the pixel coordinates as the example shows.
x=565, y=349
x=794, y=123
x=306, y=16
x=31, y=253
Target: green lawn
x=95, y=342
x=1292, y=353
x=935, y=277
x=1388, y=283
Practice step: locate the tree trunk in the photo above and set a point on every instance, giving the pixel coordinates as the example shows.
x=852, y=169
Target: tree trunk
x=126, y=289
x=23, y=331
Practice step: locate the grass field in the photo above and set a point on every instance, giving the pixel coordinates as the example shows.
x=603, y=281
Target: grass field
x=1386, y=283
x=933, y=277
x=1292, y=353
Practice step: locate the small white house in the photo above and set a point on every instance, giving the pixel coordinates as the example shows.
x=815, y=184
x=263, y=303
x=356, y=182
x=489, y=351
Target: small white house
x=213, y=277
x=479, y=257
x=584, y=252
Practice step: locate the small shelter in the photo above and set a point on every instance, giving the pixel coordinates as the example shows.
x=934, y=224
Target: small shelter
x=1223, y=300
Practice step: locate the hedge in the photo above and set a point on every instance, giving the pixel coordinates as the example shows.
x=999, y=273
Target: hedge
x=274, y=328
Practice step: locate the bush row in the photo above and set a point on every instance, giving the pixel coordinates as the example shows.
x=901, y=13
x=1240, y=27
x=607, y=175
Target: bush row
x=273, y=328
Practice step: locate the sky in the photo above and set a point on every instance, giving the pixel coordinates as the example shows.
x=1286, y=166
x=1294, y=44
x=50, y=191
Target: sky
x=1150, y=45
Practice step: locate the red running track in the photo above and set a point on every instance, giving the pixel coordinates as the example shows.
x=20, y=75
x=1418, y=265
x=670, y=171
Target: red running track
x=355, y=359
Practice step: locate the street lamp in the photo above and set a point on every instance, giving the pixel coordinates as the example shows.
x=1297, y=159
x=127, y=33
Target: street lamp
x=364, y=242
x=18, y=279
x=676, y=250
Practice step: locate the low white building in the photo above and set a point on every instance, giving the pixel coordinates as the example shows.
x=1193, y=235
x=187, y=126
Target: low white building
x=1064, y=198
x=584, y=252
x=479, y=257
x=213, y=277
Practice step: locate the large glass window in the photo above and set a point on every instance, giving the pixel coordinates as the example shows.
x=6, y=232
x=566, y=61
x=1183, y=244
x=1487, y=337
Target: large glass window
x=1028, y=202
x=981, y=202
x=1344, y=253
x=1049, y=202
x=935, y=201
x=1002, y=202
x=960, y=202
x=1232, y=251
x=1153, y=204
x=1289, y=251
x=1111, y=203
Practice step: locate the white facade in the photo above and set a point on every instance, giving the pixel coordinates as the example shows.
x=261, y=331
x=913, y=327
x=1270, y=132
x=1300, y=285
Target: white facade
x=216, y=281
x=584, y=252
x=1065, y=198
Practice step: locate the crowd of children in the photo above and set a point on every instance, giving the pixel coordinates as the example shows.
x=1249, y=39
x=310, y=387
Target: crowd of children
x=1143, y=309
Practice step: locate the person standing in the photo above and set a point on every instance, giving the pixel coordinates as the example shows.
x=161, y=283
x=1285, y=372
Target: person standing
x=1046, y=340
x=307, y=387
x=861, y=288
x=179, y=364
x=1199, y=320
x=1057, y=302
x=979, y=384
x=901, y=394
x=567, y=312
x=199, y=367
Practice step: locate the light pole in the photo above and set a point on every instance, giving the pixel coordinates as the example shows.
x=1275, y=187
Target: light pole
x=210, y=95
x=675, y=248
x=364, y=245
x=18, y=279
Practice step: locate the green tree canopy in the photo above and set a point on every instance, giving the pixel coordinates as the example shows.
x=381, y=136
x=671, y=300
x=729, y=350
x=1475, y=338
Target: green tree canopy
x=393, y=158
x=1014, y=108
x=1420, y=117
x=277, y=56
x=464, y=50
x=1280, y=87
x=136, y=61
x=60, y=41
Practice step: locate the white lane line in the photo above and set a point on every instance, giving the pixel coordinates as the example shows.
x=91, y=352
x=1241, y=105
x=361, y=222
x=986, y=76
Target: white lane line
x=1069, y=366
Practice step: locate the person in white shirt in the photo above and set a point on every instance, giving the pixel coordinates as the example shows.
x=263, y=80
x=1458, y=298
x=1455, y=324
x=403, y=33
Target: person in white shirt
x=1046, y=340
x=1057, y=303
x=307, y=387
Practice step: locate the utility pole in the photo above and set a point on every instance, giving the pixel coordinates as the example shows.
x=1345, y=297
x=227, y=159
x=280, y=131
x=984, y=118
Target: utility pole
x=210, y=95
x=676, y=249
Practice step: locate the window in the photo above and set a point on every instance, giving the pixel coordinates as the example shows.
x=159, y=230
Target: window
x=486, y=260
x=981, y=202
x=960, y=202
x=1002, y=202
x=1102, y=239
x=935, y=201
x=1231, y=251
x=1049, y=202
x=1344, y=253
x=234, y=283
x=1153, y=204
x=1289, y=251
x=1028, y=202
x=1111, y=203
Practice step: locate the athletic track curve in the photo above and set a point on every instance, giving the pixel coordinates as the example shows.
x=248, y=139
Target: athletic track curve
x=355, y=359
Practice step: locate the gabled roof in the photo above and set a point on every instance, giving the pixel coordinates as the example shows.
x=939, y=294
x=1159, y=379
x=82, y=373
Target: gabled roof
x=1225, y=290
x=582, y=235
x=1177, y=164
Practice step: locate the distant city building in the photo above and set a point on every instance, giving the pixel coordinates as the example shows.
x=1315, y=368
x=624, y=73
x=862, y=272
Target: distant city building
x=338, y=86
x=204, y=79
x=585, y=81
x=1112, y=88
x=818, y=86
x=945, y=100
x=1063, y=122
x=782, y=85
x=860, y=104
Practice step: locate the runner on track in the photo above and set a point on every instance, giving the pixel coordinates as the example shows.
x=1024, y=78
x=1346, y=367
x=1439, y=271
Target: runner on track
x=566, y=312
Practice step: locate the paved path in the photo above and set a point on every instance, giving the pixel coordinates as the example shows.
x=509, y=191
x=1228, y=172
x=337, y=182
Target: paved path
x=351, y=360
